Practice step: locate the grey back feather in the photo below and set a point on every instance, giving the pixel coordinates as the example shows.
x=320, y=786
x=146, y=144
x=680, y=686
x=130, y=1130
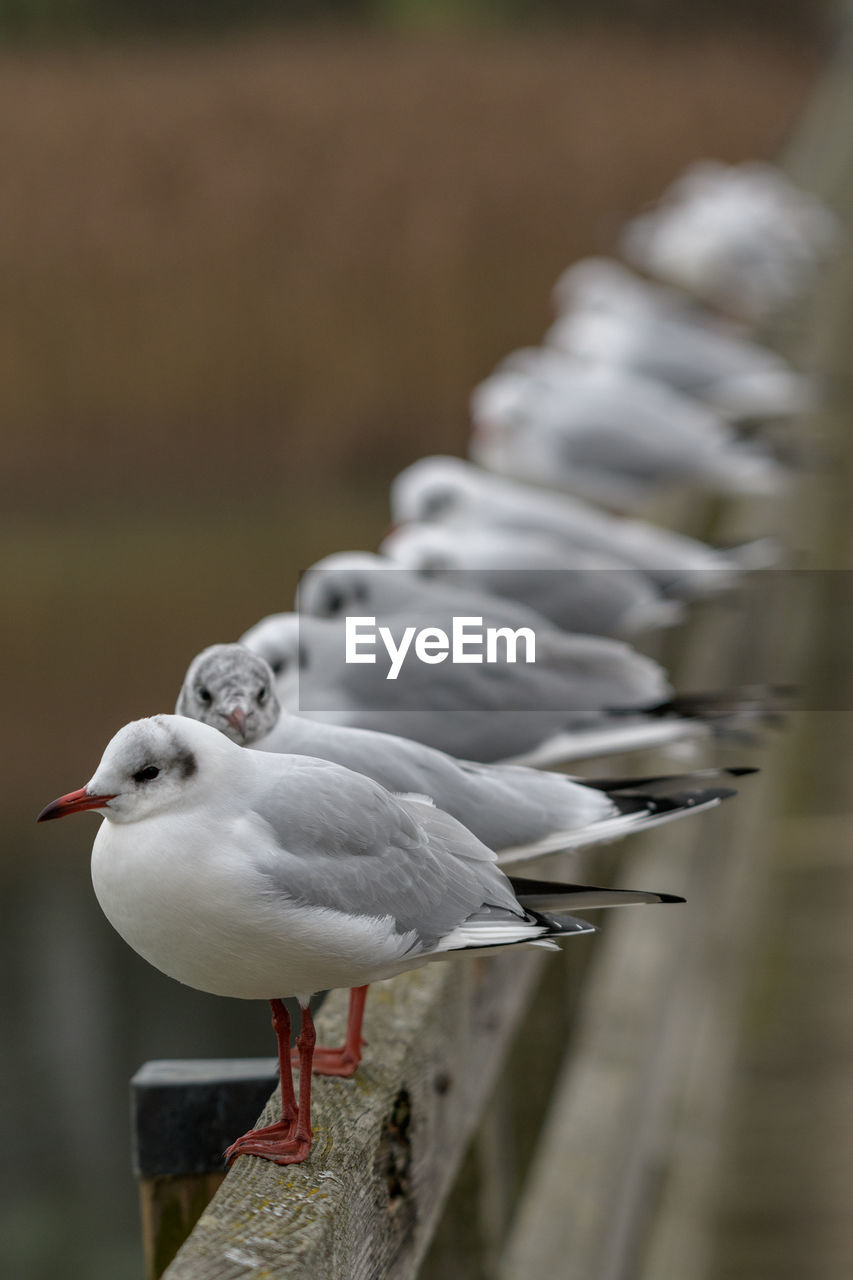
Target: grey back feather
x=343, y=843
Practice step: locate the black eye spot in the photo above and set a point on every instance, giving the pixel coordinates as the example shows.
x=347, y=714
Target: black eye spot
x=277, y=667
x=186, y=762
x=303, y=657
x=261, y=695
x=205, y=695
x=434, y=504
x=147, y=774
x=334, y=602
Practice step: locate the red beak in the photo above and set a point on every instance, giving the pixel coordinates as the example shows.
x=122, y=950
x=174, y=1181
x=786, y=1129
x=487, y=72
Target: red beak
x=237, y=720
x=74, y=802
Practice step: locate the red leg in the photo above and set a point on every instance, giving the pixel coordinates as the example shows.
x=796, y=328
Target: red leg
x=288, y=1141
x=344, y=1060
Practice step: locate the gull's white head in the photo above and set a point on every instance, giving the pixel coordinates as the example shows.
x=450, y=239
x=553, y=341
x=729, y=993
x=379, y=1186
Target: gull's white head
x=503, y=401
x=150, y=766
x=425, y=548
x=529, y=388
x=276, y=639
x=433, y=489
x=340, y=584
x=232, y=689
x=595, y=283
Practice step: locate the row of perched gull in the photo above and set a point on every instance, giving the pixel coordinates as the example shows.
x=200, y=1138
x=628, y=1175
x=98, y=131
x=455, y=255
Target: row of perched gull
x=394, y=717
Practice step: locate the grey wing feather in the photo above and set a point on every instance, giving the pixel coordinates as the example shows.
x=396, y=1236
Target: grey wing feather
x=344, y=843
x=505, y=806
x=575, y=679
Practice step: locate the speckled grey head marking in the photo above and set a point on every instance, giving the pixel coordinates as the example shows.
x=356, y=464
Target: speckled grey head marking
x=232, y=689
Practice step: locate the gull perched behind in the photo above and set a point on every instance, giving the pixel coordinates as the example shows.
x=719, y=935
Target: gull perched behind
x=732, y=375
x=583, y=696
x=607, y=286
x=362, y=582
x=263, y=876
x=577, y=589
x=557, y=704
x=459, y=495
x=521, y=813
x=740, y=237
x=608, y=433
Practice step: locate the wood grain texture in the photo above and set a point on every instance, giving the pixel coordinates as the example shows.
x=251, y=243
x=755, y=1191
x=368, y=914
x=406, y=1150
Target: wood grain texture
x=387, y=1143
x=627, y=1180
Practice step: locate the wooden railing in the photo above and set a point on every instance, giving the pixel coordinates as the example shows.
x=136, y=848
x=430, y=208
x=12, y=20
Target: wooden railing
x=548, y=1115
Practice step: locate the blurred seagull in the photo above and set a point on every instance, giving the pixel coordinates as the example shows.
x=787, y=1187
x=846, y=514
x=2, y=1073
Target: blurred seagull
x=607, y=286
x=577, y=589
x=463, y=497
x=733, y=376
x=608, y=433
x=362, y=582
x=740, y=237
x=262, y=876
x=520, y=813
x=582, y=696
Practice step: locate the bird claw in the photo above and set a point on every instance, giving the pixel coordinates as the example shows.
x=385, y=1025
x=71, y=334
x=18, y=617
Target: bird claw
x=340, y=1062
x=275, y=1143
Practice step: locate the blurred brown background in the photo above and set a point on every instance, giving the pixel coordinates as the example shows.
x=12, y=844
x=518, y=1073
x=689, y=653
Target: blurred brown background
x=245, y=275
x=245, y=281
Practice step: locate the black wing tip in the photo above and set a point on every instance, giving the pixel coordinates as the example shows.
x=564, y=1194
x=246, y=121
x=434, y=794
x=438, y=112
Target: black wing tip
x=568, y=924
x=692, y=798
x=638, y=785
x=525, y=888
x=678, y=802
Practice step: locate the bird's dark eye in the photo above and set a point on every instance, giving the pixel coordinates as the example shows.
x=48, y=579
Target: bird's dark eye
x=435, y=503
x=205, y=695
x=335, y=602
x=277, y=667
x=261, y=695
x=147, y=774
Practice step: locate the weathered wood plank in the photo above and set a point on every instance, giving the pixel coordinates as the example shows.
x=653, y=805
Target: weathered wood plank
x=387, y=1143
x=184, y=1114
x=185, y=1111
x=656, y=1002
x=650, y=1175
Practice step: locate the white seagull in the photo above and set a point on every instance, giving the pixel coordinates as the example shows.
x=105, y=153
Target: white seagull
x=577, y=589
x=518, y=812
x=362, y=582
x=263, y=876
x=608, y=432
x=461, y=496
x=583, y=696
x=740, y=237
x=607, y=285
x=733, y=376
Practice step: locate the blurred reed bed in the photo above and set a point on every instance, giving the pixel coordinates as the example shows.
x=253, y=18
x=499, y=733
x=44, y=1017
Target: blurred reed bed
x=250, y=266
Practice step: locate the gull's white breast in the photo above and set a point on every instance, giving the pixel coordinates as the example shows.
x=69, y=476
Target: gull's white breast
x=186, y=893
